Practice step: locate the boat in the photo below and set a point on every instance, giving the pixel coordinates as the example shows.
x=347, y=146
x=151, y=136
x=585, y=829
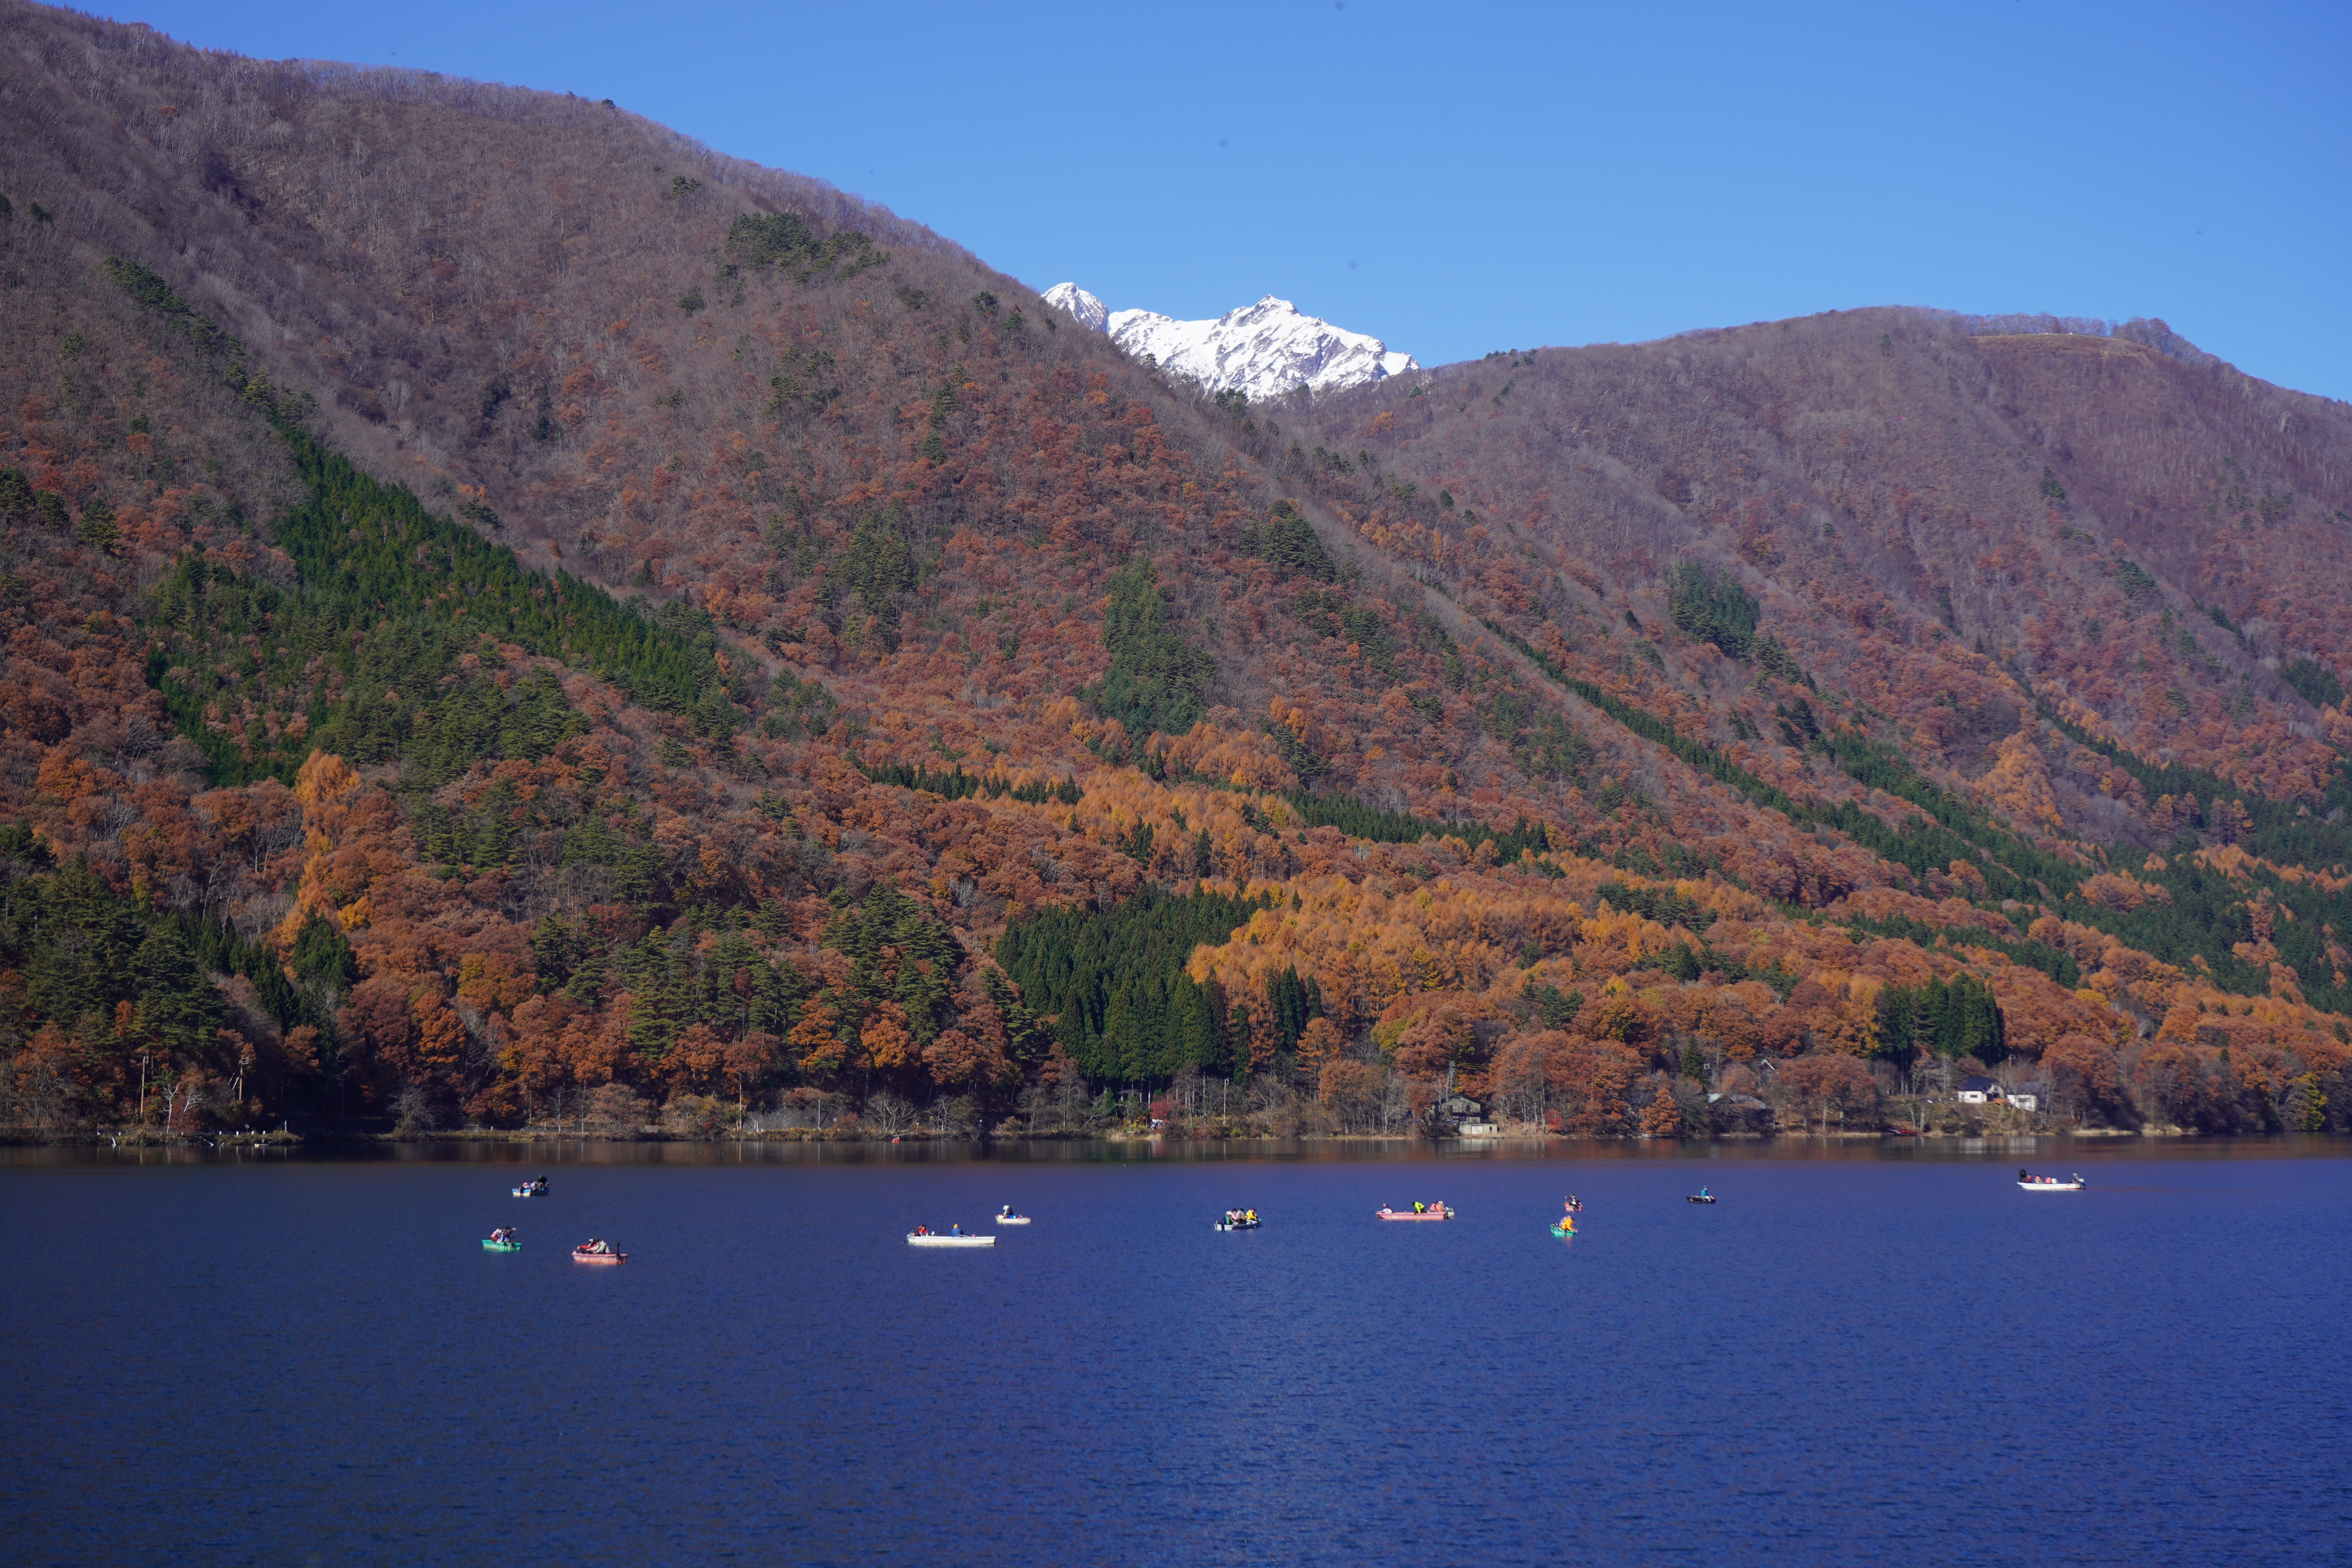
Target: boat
x=932, y=1238
x=1700, y=1198
x=1563, y=1230
x=529, y=1190
x=581, y=1255
x=1238, y=1220
x=2049, y=1183
x=489, y=1246
x=1009, y=1217
x=1435, y=1211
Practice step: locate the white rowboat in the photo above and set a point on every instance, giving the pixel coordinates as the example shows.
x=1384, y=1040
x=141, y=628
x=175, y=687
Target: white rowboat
x=2073, y=1187
x=1013, y=1220
x=914, y=1240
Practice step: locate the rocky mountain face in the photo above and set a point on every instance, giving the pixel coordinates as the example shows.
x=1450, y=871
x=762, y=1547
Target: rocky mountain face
x=1264, y=351
x=1079, y=306
x=511, y=616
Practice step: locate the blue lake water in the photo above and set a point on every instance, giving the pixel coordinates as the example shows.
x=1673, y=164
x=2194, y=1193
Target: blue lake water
x=1861, y=1357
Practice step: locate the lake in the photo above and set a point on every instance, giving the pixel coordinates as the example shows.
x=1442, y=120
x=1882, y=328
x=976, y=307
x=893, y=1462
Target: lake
x=1861, y=1354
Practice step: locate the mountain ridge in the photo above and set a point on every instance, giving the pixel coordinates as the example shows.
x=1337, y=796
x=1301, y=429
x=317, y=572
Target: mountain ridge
x=1264, y=351
x=1584, y=728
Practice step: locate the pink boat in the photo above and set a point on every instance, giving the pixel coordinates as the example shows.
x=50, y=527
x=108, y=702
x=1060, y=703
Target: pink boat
x=581, y=1255
x=1435, y=1211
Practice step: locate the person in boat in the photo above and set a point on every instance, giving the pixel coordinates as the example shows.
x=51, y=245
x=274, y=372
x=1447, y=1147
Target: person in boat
x=1251, y=1217
x=1420, y=1207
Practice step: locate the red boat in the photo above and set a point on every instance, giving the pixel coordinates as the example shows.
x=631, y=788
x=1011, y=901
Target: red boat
x=582, y=1255
x=1435, y=1211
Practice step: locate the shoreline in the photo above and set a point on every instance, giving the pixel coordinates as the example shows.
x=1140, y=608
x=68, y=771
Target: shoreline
x=541, y=1137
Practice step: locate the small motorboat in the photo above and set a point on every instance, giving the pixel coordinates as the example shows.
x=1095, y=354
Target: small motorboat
x=1009, y=1217
x=933, y=1238
x=531, y=1190
x=1435, y=1211
x=1238, y=1219
x=589, y=1255
x=1701, y=1197
x=492, y=1245
x=1566, y=1228
x=2049, y=1184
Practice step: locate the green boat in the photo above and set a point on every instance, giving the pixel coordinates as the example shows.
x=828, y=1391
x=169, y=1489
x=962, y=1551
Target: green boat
x=489, y=1246
x=1563, y=1230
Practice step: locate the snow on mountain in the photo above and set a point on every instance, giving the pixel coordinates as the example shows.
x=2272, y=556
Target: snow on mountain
x=1264, y=350
x=1088, y=311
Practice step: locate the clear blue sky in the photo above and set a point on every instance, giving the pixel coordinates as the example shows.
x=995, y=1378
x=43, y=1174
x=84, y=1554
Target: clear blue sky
x=1459, y=178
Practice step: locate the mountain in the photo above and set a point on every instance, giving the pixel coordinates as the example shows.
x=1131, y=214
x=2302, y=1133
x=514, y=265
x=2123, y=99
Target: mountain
x=511, y=618
x=1947, y=521
x=1079, y=305
x=1264, y=351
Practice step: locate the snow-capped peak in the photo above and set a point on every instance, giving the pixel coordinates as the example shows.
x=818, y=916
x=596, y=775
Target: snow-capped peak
x=1088, y=311
x=1265, y=349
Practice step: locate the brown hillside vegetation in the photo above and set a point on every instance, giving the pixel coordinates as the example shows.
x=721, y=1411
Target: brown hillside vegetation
x=512, y=616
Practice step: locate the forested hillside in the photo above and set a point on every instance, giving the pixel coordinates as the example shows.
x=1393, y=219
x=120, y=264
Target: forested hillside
x=513, y=618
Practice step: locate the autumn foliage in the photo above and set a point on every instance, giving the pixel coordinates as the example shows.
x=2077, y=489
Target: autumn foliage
x=512, y=618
